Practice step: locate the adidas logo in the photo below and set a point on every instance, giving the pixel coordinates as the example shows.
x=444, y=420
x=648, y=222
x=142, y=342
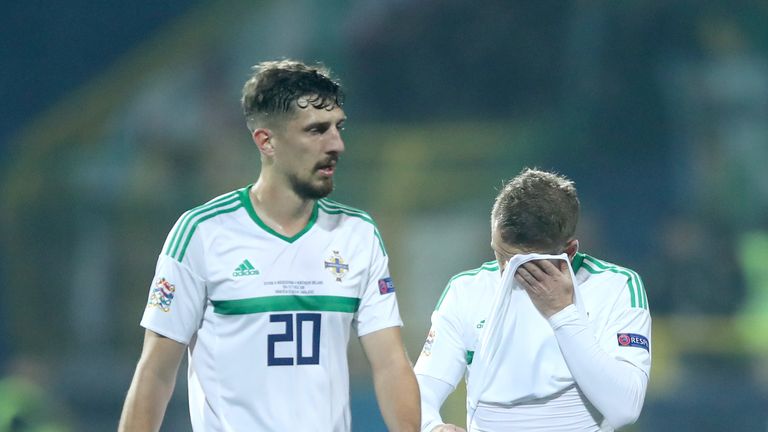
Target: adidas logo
x=245, y=269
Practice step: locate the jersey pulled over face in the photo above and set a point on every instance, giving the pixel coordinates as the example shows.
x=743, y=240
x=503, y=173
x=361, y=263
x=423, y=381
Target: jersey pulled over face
x=268, y=317
x=615, y=306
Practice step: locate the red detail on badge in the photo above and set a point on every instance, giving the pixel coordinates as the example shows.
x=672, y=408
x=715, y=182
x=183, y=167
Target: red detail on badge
x=386, y=286
x=624, y=339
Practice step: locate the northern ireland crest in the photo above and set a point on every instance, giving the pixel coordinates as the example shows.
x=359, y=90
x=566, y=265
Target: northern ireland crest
x=336, y=266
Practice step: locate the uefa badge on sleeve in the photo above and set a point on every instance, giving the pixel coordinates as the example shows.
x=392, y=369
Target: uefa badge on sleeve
x=162, y=295
x=386, y=286
x=633, y=340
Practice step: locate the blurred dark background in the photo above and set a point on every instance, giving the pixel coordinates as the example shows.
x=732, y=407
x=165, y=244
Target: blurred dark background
x=119, y=116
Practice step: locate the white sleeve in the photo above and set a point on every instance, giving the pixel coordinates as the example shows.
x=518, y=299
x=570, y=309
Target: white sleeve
x=444, y=355
x=177, y=296
x=434, y=392
x=443, y=360
x=614, y=385
x=378, y=303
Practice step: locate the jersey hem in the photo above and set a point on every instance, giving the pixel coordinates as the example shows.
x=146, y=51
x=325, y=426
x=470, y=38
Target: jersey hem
x=165, y=333
x=386, y=326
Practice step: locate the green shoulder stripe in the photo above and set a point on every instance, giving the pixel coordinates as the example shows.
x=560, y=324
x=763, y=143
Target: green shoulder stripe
x=329, y=206
x=189, y=223
x=637, y=294
x=332, y=207
x=488, y=266
x=333, y=203
x=198, y=222
x=188, y=216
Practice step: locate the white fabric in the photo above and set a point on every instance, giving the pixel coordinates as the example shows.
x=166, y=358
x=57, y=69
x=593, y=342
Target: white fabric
x=433, y=395
x=614, y=303
x=280, y=362
x=457, y=324
x=616, y=387
x=518, y=358
x=565, y=411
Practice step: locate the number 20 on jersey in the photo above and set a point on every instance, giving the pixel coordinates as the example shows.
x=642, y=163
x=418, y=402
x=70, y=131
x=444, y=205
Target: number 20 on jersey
x=297, y=328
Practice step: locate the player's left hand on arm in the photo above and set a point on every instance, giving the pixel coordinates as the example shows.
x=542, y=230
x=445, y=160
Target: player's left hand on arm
x=548, y=284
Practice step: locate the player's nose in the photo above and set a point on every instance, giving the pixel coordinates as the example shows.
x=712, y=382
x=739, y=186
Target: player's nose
x=335, y=142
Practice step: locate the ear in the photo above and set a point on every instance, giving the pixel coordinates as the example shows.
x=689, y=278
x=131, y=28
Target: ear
x=571, y=248
x=262, y=137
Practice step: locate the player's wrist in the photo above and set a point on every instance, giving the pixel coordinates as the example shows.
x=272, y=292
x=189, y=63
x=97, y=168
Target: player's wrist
x=563, y=316
x=554, y=310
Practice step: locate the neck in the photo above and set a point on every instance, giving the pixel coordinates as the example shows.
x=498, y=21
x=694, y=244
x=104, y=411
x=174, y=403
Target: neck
x=280, y=207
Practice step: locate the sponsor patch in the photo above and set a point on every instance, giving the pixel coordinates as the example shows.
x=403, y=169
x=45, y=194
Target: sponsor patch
x=386, y=286
x=427, y=350
x=633, y=340
x=162, y=295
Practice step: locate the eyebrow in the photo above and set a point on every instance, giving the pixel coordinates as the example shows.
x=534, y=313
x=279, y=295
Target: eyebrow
x=323, y=124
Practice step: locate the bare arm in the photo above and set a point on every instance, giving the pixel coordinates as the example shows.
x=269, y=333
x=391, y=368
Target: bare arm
x=394, y=380
x=152, y=384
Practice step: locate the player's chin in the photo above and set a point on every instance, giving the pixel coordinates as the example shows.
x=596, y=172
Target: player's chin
x=322, y=187
x=326, y=187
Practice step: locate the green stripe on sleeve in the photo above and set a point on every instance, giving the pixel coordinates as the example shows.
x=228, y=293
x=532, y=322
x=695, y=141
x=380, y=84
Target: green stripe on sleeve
x=332, y=208
x=184, y=224
x=190, y=214
x=442, y=296
x=592, y=268
x=638, y=297
x=381, y=241
x=336, y=208
x=642, y=290
x=286, y=303
x=488, y=266
x=202, y=219
x=333, y=204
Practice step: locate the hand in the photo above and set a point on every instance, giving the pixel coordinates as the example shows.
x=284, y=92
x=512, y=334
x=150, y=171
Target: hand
x=548, y=284
x=448, y=428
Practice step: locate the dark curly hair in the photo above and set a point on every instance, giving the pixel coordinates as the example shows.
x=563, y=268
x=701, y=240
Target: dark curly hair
x=537, y=210
x=275, y=88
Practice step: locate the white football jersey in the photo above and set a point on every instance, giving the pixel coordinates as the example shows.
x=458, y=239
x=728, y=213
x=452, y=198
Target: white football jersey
x=614, y=302
x=267, y=317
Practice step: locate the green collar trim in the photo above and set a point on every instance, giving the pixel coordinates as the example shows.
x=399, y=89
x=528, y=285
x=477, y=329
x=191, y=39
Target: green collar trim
x=246, y=199
x=578, y=258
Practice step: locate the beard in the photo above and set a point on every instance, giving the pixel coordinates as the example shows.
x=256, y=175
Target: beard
x=308, y=190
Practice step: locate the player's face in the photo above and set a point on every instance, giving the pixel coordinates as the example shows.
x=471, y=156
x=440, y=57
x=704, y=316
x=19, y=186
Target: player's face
x=307, y=149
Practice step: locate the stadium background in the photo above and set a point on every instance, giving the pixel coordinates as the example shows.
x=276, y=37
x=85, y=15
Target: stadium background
x=118, y=116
